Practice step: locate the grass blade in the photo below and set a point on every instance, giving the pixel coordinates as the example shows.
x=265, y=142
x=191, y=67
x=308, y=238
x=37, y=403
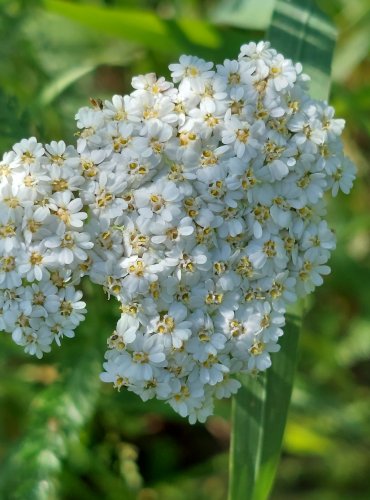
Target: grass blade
x=299, y=30
x=259, y=414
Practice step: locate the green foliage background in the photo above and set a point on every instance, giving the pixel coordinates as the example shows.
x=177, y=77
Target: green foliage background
x=63, y=434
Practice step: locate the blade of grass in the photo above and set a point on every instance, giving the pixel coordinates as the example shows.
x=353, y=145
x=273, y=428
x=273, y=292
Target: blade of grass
x=300, y=31
x=259, y=414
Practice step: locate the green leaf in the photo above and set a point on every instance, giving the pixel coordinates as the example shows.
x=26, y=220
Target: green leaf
x=136, y=25
x=303, y=33
x=147, y=29
x=259, y=415
x=141, y=26
x=300, y=31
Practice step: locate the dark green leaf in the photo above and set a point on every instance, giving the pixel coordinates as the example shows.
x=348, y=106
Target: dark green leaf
x=300, y=31
x=259, y=415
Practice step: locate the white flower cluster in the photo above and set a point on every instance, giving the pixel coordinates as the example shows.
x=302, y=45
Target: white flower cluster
x=206, y=216
x=207, y=213
x=42, y=246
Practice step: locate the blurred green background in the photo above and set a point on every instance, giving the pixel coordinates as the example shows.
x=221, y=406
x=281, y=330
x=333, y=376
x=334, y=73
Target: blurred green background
x=65, y=435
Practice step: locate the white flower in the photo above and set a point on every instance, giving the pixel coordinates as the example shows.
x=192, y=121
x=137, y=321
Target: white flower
x=150, y=82
x=342, y=177
x=310, y=272
x=67, y=209
x=192, y=68
x=62, y=156
x=71, y=308
x=267, y=253
x=68, y=246
x=9, y=274
x=283, y=73
x=28, y=151
x=139, y=275
x=316, y=238
x=35, y=219
x=204, y=341
x=206, y=204
x=127, y=327
x=140, y=362
x=186, y=397
x=33, y=264
x=260, y=354
x=161, y=199
x=243, y=136
x=169, y=328
x=43, y=298
x=226, y=387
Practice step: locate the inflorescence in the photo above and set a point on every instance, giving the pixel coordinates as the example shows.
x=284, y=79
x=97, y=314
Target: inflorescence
x=205, y=204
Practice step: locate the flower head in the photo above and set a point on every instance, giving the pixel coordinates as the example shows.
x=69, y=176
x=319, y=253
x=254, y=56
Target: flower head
x=206, y=200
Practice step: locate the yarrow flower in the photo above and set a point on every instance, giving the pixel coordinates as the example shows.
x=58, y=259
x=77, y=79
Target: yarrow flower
x=42, y=244
x=205, y=203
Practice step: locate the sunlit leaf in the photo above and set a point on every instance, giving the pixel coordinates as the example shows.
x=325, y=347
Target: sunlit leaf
x=147, y=29
x=132, y=24
x=141, y=26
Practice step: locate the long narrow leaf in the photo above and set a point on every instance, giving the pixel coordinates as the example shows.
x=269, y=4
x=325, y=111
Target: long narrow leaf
x=259, y=414
x=300, y=31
